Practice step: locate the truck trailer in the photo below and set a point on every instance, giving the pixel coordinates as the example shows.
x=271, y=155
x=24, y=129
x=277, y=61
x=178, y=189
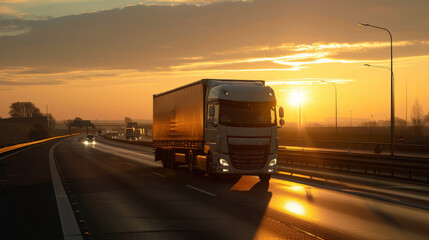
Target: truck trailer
x=218, y=126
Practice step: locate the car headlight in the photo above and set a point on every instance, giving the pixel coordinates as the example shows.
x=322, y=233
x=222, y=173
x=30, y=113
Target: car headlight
x=86, y=142
x=223, y=162
x=273, y=162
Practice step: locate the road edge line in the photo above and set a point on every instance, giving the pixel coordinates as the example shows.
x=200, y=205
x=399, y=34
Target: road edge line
x=21, y=145
x=71, y=230
x=27, y=148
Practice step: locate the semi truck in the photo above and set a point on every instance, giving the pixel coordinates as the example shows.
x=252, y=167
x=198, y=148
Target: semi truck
x=131, y=133
x=218, y=126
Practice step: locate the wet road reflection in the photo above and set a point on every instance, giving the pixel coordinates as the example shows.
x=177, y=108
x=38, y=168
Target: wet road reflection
x=362, y=217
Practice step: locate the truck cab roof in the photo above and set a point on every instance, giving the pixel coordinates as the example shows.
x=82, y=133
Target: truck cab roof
x=213, y=82
x=241, y=92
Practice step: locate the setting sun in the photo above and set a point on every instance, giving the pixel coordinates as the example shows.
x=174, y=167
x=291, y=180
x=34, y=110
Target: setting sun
x=296, y=98
x=214, y=119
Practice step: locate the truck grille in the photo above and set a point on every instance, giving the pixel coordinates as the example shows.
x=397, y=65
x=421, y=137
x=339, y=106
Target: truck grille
x=248, y=157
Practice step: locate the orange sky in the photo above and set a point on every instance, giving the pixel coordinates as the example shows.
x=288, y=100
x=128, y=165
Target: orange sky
x=107, y=65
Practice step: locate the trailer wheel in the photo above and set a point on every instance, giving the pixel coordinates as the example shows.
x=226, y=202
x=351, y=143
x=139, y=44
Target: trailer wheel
x=171, y=162
x=191, y=163
x=265, y=177
x=164, y=163
x=210, y=173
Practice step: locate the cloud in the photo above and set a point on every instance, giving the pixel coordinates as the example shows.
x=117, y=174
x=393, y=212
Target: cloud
x=232, y=36
x=308, y=81
x=13, y=1
x=17, y=83
x=6, y=10
x=13, y=30
x=143, y=1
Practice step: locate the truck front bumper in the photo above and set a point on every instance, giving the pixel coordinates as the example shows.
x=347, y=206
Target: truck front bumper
x=218, y=168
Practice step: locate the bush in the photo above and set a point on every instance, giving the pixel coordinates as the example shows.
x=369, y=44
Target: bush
x=37, y=132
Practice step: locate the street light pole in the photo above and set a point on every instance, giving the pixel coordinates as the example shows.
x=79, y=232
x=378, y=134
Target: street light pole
x=392, y=87
x=299, y=108
x=336, y=105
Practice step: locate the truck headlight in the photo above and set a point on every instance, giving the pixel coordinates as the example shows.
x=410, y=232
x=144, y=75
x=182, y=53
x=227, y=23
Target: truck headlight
x=273, y=162
x=223, y=162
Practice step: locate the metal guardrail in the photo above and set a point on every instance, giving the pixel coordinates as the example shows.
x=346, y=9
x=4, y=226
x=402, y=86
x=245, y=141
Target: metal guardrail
x=140, y=143
x=354, y=145
x=402, y=168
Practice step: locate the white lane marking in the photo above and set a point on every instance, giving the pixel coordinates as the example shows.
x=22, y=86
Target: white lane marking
x=200, y=190
x=69, y=225
x=131, y=164
x=158, y=174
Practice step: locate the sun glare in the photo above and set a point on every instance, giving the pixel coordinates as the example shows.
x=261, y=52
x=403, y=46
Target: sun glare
x=296, y=98
x=295, y=207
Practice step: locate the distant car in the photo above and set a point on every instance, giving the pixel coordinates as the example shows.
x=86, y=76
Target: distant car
x=90, y=139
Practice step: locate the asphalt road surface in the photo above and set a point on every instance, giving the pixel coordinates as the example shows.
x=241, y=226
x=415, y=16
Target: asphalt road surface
x=120, y=193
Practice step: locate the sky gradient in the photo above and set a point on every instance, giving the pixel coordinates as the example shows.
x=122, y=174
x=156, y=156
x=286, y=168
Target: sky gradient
x=107, y=64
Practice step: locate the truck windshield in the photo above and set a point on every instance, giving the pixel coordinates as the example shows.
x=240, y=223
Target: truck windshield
x=247, y=114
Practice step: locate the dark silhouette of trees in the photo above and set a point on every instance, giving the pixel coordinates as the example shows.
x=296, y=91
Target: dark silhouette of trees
x=43, y=124
x=417, y=113
x=24, y=110
x=51, y=121
x=417, y=117
x=400, y=122
x=426, y=119
x=38, y=131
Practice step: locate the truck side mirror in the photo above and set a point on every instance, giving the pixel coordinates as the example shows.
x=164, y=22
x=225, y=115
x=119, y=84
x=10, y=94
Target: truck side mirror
x=282, y=122
x=281, y=112
x=211, y=111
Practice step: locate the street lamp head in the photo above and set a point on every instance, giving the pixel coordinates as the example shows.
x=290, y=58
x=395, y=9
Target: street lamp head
x=392, y=92
x=369, y=65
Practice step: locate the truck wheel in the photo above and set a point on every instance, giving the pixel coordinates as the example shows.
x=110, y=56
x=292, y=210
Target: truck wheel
x=164, y=159
x=265, y=177
x=191, y=163
x=210, y=173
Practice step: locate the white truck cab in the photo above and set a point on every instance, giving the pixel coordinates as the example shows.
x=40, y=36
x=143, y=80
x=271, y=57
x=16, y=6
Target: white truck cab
x=238, y=132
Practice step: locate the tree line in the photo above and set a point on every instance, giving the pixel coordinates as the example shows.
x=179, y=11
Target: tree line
x=21, y=110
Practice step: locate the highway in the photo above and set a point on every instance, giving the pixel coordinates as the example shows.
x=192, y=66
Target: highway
x=118, y=192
